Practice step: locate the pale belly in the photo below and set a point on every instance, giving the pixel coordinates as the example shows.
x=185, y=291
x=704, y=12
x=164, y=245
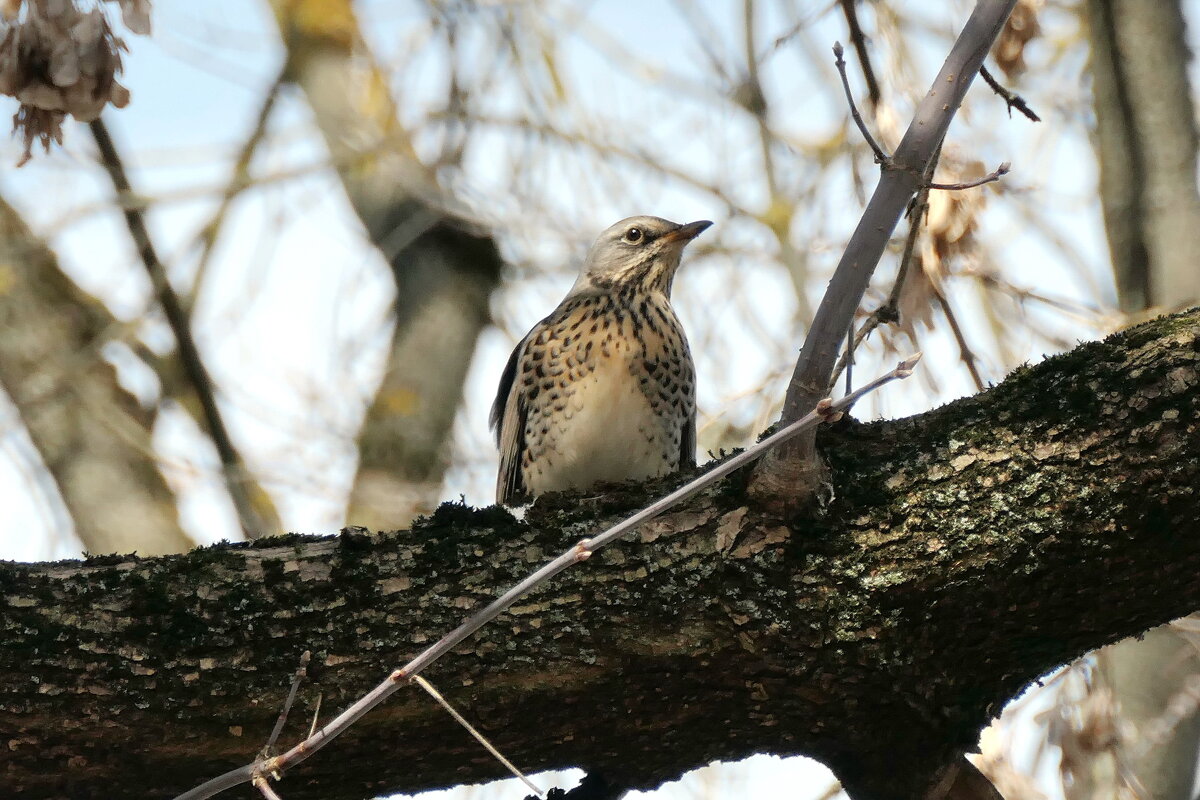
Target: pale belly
x=607, y=431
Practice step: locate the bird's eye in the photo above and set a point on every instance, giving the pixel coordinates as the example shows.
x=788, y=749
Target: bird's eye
x=634, y=235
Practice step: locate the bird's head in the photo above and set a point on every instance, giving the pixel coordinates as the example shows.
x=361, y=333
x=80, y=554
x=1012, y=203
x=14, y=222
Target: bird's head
x=636, y=251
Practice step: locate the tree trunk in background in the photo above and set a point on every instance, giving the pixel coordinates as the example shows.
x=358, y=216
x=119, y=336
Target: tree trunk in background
x=91, y=434
x=445, y=269
x=1146, y=144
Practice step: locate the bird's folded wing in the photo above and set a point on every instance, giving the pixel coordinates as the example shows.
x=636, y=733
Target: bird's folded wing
x=508, y=418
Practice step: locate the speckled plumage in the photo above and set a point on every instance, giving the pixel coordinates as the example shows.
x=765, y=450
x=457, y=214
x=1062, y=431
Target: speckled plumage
x=603, y=389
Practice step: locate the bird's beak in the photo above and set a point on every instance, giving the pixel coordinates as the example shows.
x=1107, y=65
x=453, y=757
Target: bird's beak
x=685, y=233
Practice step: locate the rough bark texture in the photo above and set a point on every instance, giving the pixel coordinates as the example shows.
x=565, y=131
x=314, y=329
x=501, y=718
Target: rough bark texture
x=1146, y=142
x=968, y=550
x=445, y=268
x=90, y=433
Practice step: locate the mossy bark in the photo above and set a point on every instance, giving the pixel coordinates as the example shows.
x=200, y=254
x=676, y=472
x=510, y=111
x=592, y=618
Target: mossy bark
x=967, y=551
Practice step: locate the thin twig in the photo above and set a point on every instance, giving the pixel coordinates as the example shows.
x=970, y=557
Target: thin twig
x=991, y=177
x=231, y=463
x=860, y=47
x=1021, y=294
x=917, y=213
x=880, y=156
x=239, y=181
x=316, y=715
x=479, y=737
x=778, y=224
x=1012, y=99
x=301, y=672
x=968, y=355
x=889, y=312
x=826, y=410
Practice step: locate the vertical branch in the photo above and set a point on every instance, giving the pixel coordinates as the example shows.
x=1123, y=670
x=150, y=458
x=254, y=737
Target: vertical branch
x=778, y=215
x=890, y=310
x=253, y=524
x=445, y=266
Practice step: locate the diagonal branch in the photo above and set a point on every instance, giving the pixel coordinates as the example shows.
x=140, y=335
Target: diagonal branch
x=793, y=469
x=239, y=181
x=92, y=435
x=1012, y=99
x=257, y=519
x=859, y=40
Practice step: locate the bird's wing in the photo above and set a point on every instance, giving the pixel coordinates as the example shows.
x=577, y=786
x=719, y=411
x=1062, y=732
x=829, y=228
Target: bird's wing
x=687, y=445
x=508, y=418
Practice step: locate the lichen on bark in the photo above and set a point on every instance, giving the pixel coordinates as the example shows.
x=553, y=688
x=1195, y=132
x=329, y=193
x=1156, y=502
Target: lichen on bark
x=967, y=551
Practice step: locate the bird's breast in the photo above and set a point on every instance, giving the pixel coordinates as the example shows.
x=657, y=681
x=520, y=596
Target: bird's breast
x=616, y=394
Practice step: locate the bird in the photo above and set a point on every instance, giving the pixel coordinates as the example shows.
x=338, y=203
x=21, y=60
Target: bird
x=604, y=388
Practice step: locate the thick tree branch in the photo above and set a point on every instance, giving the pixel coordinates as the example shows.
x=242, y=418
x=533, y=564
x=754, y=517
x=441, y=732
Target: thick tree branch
x=1147, y=144
x=969, y=550
x=445, y=266
x=91, y=434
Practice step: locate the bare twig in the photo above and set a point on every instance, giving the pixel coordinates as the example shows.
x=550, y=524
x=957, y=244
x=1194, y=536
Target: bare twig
x=239, y=181
x=231, y=463
x=826, y=410
x=479, y=737
x=889, y=312
x=880, y=156
x=968, y=355
x=991, y=177
x=1012, y=99
x=779, y=224
x=316, y=715
x=301, y=672
x=860, y=47
x=1022, y=294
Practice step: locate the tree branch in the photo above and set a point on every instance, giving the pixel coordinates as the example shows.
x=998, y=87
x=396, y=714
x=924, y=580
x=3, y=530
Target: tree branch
x=445, y=265
x=859, y=40
x=256, y=514
x=578, y=553
x=1011, y=99
x=792, y=469
x=91, y=434
x=970, y=549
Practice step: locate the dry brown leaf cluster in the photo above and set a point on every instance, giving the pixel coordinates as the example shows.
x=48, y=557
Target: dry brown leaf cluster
x=1021, y=28
x=951, y=222
x=58, y=59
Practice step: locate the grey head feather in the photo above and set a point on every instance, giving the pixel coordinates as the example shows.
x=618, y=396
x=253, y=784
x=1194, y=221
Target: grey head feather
x=640, y=248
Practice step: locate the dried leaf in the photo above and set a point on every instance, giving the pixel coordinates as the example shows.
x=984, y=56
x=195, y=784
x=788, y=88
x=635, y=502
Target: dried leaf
x=1021, y=28
x=58, y=60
